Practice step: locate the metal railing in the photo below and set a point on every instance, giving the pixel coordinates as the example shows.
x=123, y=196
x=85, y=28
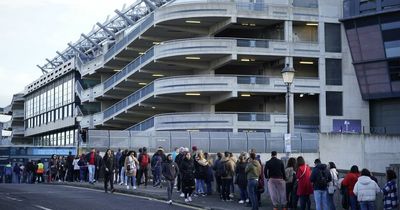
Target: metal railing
x=207, y=141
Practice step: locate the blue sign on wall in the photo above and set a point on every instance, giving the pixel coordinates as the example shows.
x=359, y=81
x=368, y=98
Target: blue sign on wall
x=51, y=151
x=347, y=126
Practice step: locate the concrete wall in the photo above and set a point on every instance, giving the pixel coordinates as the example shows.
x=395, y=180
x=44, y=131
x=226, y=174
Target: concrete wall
x=375, y=152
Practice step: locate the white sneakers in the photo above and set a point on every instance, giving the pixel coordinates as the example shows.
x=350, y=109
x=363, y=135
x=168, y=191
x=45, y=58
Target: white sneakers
x=169, y=202
x=247, y=200
x=134, y=187
x=186, y=200
x=127, y=187
x=241, y=201
x=190, y=199
x=182, y=195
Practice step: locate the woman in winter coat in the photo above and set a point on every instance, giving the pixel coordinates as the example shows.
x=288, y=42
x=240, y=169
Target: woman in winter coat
x=390, y=191
x=108, y=167
x=187, y=172
x=241, y=178
x=209, y=176
x=130, y=166
x=200, y=172
x=291, y=179
x=333, y=185
x=349, y=181
x=366, y=189
x=304, y=186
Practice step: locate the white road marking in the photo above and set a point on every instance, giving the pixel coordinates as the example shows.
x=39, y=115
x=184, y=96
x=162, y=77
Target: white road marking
x=137, y=196
x=14, y=199
x=41, y=207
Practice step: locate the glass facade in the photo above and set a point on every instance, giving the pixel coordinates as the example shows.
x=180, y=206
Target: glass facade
x=333, y=37
x=60, y=138
x=334, y=103
x=53, y=102
x=333, y=74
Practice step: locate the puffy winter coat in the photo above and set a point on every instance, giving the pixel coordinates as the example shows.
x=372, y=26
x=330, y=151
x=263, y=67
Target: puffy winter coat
x=366, y=189
x=303, y=175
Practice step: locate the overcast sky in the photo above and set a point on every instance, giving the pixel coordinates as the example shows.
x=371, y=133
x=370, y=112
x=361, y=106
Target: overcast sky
x=33, y=30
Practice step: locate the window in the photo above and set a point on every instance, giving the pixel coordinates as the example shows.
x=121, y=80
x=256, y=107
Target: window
x=333, y=68
x=334, y=103
x=333, y=37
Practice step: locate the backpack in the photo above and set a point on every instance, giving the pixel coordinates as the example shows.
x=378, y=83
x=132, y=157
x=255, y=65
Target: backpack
x=222, y=169
x=321, y=180
x=144, y=161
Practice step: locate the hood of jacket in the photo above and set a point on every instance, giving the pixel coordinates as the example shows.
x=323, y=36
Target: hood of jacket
x=321, y=166
x=364, y=180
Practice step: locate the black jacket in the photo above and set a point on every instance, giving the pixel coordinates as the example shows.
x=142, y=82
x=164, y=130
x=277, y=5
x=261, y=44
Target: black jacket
x=170, y=170
x=274, y=168
x=320, y=177
x=187, y=171
x=109, y=163
x=241, y=178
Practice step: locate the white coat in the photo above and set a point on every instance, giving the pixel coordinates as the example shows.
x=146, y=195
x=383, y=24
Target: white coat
x=366, y=189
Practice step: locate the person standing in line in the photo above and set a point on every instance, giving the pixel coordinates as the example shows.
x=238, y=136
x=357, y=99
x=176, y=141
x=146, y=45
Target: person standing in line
x=117, y=173
x=218, y=182
x=156, y=162
x=320, y=177
x=53, y=168
x=123, y=171
x=138, y=170
x=188, y=183
x=290, y=173
x=144, y=160
x=76, y=168
x=170, y=171
x=91, y=160
x=40, y=171
x=178, y=161
x=333, y=185
x=209, y=174
x=253, y=172
x=108, y=169
x=261, y=183
x=130, y=166
x=304, y=186
x=274, y=172
x=241, y=178
x=70, y=167
x=227, y=171
x=82, y=168
x=200, y=168
x=349, y=181
x=366, y=189
x=390, y=200
x=99, y=163
x=16, y=174
x=8, y=173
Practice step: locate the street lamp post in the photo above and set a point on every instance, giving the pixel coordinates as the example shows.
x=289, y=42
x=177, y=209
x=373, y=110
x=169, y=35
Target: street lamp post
x=288, y=76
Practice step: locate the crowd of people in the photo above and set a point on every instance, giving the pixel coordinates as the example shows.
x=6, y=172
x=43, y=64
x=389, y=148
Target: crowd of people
x=193, y=173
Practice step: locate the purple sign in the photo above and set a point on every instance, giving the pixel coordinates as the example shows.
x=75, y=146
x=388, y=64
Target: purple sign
x=347, y=126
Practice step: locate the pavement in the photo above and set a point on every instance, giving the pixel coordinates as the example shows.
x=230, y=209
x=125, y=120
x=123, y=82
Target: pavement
x=210, y=202
x=67, y=197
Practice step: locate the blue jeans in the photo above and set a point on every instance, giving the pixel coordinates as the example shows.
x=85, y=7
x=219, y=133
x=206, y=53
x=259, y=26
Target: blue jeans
x=200, y=186
x=321, y=199
x=92, y=171
x=353, y=202
x=331, y=202
x=243, y=194
x=252, y=191
x=367, y=205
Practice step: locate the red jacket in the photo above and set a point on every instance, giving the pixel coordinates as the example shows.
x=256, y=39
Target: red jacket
x=349, y=181
x=304, y=186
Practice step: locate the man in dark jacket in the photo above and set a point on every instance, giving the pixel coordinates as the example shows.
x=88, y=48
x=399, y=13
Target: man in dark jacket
x=178, y=161
x=70, y=167
x=320, y=177
x=218, y=181
x=99, y=162
x=274, y=172
x=109, y=163
x=170, y=171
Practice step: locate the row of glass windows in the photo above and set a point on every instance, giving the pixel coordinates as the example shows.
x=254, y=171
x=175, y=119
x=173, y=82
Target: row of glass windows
x=64, y=138
x=50, y=99
x=51, y=116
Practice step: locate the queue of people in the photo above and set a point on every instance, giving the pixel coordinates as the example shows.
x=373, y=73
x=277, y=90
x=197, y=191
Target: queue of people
x=192, y=173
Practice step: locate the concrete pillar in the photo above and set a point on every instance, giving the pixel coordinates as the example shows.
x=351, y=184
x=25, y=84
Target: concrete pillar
x=288, y=30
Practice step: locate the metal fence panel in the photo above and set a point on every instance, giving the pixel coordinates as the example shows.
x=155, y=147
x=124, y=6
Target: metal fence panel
x=140, y=140
x=180, y=139
x=219, y=141
x=237, y=142
x=98, y=139
x=296, y=142
x=161, y=139
x=275, y=142
x=119, y=139
x=309, y=142
x=256, y=141
x=201, y=140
